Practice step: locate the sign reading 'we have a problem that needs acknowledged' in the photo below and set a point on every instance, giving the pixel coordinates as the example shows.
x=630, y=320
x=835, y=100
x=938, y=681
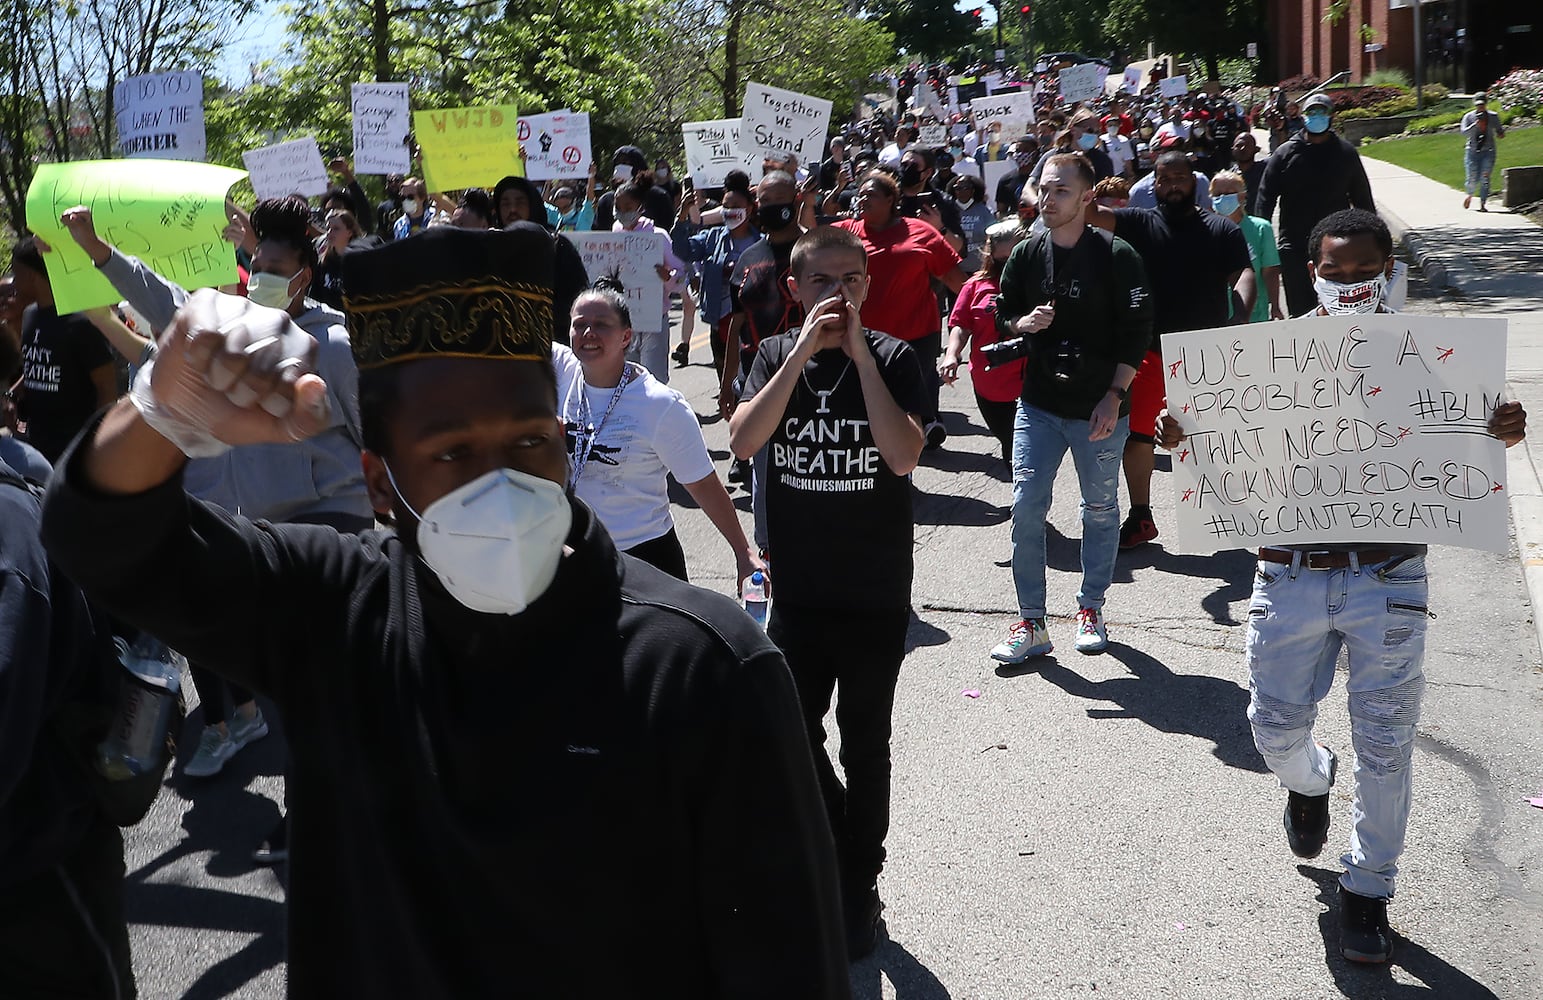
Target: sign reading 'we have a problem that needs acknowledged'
x=1341, y=429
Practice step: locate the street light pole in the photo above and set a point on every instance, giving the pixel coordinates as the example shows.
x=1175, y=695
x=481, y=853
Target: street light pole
x=1419, y=57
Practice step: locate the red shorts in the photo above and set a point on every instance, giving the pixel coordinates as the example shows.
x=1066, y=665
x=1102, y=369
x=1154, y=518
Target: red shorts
x=1147, y=398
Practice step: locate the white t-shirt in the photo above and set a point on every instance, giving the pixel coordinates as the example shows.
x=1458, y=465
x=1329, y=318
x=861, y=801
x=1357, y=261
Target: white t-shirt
x=1121, y=151
x=651, y=432
x=890, y=155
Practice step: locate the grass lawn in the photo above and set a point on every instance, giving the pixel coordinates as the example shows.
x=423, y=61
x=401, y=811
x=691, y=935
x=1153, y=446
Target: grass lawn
x=1440, y=157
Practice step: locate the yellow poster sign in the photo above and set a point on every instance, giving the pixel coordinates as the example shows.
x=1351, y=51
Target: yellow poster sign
x=468, y=147
x=168, y=213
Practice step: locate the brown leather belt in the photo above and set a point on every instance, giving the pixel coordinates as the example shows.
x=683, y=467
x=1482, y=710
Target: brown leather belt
x=1326, y=560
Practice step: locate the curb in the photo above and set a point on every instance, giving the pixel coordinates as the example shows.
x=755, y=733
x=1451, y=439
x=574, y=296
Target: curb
x=1419, y=249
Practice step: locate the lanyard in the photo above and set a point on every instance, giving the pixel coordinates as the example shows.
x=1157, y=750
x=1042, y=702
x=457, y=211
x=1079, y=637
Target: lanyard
x=586, y=436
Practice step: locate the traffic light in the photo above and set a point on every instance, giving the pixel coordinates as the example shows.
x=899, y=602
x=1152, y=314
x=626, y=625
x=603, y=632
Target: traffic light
x=976, y=14
x=1026, y=11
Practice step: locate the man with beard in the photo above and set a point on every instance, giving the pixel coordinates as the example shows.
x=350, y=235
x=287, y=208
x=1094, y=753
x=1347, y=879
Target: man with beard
x=1196, y=261
x=510, y=742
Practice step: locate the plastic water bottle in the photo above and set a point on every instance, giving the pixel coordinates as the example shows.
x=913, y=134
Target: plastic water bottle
x=136, y=743
x=755, y=598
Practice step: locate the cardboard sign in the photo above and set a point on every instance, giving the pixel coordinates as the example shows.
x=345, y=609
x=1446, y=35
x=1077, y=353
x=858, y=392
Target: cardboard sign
x=1014, y=111
x=287, y=168
x=555, y=144
x=631, y=259
x=781, y=121
x=1173, y=86
x=1081, y=83
x=932, y=135
x=1132, y=81
x=992, y=172
x=1349, y=429
x=161, y=116
x=381, y=127
x=713, y=149
x=167, y=213
x=468, y=147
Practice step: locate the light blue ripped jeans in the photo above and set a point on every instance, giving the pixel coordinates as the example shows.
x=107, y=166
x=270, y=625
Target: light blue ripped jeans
x=1297, y=621
x=1040, y=441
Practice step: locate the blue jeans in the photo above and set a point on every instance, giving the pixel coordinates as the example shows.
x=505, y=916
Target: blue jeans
x=1040, y=441
x=1297, y=621
x=1478, y=164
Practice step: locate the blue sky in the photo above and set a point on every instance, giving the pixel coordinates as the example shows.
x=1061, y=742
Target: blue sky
x=262, y=35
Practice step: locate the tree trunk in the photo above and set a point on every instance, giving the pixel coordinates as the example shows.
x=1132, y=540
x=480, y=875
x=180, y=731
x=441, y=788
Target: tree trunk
x=380, y=30
x=731, y=61
x=1212, y=71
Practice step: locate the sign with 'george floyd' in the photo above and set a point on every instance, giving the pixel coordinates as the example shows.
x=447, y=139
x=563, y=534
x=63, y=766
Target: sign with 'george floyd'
x=1339, y=429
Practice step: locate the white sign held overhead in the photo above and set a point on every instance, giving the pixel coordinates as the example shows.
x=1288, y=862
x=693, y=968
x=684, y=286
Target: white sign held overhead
x=631, y=258
x=932, y=135
x=992, y=172
x=1014, y=111
x=1173, y=86
x=1253, y=50
x=1339, y=429
x=782, y=121
x=1084, y=82
x=713, y=149
x=555, y=145
x=1132, y=82
x=381, y=127
x=161, y=116
x=287, y=168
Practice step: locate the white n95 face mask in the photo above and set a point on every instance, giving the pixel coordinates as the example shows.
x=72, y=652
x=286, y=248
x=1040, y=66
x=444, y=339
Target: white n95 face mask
x=496, y=542
x=1340, y=299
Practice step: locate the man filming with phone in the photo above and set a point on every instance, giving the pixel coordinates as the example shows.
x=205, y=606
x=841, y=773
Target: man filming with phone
x=1074, y=302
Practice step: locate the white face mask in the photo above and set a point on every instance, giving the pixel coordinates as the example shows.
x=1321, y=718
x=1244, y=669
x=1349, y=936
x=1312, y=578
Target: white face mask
x=410, y=206
x=662, y=175
x=965, y=203
x=271, y=290
x=1339, y=299
x=734, y=217
x=496, y=542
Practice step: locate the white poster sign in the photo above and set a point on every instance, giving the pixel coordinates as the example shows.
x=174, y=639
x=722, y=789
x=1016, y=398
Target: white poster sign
x=992, y=172
x=1014, y=111
x=713, y=149
x=161, y=116
x=1133, y=75
x=1347, y=429
x=1173, y=86
x=555, y=144
x=932, y=135
x=1253, y=50
x=631, y=258
x=287, y=168
x=779, y=120
x=381, y=126
x=1082, y=83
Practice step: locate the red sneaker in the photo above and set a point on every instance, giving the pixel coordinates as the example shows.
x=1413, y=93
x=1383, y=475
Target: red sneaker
x=1137, y=530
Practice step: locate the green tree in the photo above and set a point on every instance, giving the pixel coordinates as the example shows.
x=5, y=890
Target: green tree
x=1209, y=31
x=926, y=28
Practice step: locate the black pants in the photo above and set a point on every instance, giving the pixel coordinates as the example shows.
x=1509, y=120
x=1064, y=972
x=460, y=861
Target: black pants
x=1294, y=280
x=62, y=932
x=862, y=651
x=663, y=553
x=999, y=418
x=928, y=348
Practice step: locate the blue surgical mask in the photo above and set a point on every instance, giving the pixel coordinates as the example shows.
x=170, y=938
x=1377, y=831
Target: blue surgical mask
x=1317, y=124
x=1087, y=140
x=1225, y=204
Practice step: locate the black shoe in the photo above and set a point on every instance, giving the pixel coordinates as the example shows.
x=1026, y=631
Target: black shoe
x=682, y=355
x=936, y=435
x=739, y=472
x=1307, y=818
x=863, y=923
x=275, y=849
x=1364, y=935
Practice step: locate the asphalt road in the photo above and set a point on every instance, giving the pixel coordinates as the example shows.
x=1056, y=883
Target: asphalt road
x=1089, y=825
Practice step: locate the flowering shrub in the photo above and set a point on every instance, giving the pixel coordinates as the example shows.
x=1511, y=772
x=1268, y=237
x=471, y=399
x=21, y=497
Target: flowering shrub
x=1520, y=89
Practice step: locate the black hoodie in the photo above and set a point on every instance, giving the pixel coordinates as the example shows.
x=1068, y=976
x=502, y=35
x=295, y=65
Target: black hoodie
x=570, y=277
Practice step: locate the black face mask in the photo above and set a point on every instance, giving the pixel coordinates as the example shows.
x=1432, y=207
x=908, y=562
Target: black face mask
x=775, y=217
x=910, y=175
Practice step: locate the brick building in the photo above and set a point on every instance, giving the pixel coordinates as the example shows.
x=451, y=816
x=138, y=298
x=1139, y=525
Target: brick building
x=1468, y=44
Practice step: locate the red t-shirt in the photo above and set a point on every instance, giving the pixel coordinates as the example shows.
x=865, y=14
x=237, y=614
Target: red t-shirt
x=1127, y=125
x=902, y=260
x=975, y=310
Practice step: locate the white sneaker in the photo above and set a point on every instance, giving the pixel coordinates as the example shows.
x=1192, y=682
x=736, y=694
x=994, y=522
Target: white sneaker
x=214, y=749
x=1092, y=635
x=1026, y=639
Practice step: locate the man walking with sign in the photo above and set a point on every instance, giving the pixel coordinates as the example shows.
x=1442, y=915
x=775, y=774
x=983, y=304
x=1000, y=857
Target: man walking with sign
x=1311, y=600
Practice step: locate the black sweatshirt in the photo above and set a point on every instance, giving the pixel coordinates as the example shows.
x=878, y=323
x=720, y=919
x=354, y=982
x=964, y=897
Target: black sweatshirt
x=609, y=795
x=1311, y=180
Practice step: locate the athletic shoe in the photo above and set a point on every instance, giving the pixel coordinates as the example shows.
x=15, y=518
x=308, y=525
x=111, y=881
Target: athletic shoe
x=1307, y=818
x=244, y=730
x=863, y=923
x=682, y=355
x=936, y=435
x=275, y=848
x=1467, y=200
x=1025, y=639
x=1364, y=934
x=739, y=472
x=214, y=749
x=1092, y=635
x=1138, y=529
x=1482, y=208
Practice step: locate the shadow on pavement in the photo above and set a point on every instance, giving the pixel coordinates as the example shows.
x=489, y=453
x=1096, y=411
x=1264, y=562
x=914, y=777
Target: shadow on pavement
x=947, y=508
x=1437, y=977
x=910, y=979
x=1500, y=263
x=1235, y=569
x=1207, y=708
x=162, y=905
x=923, y=633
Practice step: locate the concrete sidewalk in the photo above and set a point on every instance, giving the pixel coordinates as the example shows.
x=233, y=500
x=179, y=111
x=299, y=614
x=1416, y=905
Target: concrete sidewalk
x=1487, y=263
